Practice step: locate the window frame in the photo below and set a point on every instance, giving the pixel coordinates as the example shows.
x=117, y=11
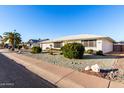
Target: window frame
x=59, y=44
x=88, y=43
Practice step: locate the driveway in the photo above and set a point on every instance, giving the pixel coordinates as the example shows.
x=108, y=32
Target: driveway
x=13, y=75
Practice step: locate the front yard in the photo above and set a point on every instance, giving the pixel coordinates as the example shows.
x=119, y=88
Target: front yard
x=105, y=62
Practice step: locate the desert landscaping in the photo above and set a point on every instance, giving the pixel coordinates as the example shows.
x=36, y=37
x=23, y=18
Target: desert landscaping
x=106, y=65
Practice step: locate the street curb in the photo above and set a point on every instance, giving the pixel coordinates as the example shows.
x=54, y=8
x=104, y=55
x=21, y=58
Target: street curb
x=60, y=76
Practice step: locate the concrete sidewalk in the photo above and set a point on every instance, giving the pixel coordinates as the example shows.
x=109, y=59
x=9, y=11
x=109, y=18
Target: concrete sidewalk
x=60, y=76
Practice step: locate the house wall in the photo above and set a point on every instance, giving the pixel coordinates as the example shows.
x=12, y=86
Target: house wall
x=72, y=41
x=93, y=48
x=35, y=45
x=101, y=44
x=86, y=48
x=107, y=46
x=76, y=41
x=0, y=42
x=98, y=46
x=46, y=45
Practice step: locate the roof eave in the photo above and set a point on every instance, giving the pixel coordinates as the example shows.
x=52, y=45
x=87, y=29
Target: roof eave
x=80, y=39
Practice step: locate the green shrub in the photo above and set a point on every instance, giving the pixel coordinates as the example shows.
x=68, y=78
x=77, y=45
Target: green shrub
x=36, y=50
x=51, y=53
x=73, y=50
x=61, y=53
x=90, y=51
x=1, y=46
x=47, y=48
x=19, y=47
x=25, y=47
x=99, y=52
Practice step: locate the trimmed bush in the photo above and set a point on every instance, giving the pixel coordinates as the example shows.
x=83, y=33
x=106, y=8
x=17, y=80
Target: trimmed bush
x=47, y=48
x=36, y=50
x=90, y=51
x=1, y=46
x=73, y=50
x=19, y=47
x=99, y=52
x=25, y=47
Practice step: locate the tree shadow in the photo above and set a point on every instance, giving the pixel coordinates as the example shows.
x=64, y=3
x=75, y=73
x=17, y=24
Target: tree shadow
x=99, y=57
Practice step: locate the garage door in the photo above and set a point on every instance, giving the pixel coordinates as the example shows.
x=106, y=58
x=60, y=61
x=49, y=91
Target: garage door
x=118, y=48
x=122, y=48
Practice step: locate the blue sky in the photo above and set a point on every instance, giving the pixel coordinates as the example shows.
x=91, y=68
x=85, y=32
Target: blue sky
x=57, y=21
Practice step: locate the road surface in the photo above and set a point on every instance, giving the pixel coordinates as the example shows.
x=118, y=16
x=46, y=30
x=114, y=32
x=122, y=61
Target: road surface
x=13, y=75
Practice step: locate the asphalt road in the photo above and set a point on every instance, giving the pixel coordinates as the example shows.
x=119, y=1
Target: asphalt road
x=13, y=75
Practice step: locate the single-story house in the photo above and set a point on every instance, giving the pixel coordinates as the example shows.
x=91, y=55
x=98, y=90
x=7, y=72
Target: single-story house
x=35, y=42
x=118, y=46
x=94, y=42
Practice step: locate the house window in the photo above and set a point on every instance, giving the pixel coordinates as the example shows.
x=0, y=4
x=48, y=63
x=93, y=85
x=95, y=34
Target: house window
x=89, y=43
x=85, y=43
x=57, y=44
x=92, y=43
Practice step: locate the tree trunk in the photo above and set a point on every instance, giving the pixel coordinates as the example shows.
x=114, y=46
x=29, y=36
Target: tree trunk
x=13, y=47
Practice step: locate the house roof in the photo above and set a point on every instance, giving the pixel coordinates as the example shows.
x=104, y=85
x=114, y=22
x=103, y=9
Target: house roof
x=78, y=37
x=37, y=40
x=33, y=41
x=0, y=37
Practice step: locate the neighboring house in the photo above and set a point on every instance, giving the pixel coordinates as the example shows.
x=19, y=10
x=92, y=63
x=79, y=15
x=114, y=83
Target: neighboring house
x=119, y=46
x=35, y=42
x=94, y=42
x=7, y=43
x=1, y=39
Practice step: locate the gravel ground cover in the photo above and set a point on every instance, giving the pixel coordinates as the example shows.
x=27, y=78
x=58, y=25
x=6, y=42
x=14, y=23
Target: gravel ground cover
x=105, y=62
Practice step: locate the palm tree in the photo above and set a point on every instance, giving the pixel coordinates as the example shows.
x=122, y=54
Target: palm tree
x=14, y=38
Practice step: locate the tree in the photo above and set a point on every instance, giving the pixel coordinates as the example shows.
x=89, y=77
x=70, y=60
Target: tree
x=13, y=37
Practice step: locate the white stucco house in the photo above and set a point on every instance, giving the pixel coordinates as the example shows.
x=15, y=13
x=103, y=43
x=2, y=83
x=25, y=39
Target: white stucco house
x=94, y=42
x=35, y=42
